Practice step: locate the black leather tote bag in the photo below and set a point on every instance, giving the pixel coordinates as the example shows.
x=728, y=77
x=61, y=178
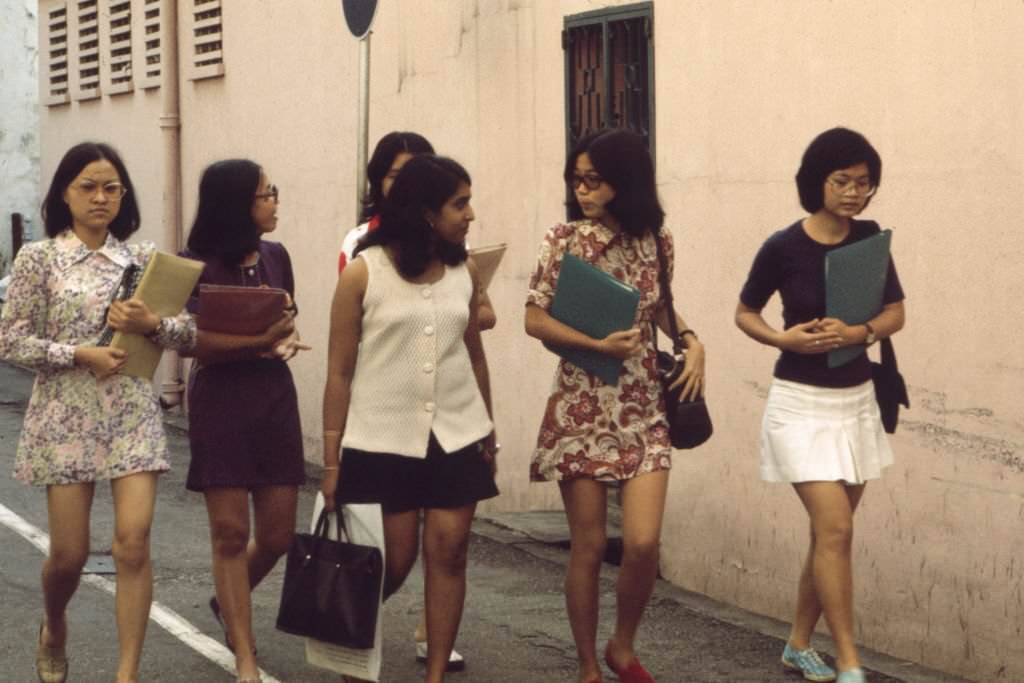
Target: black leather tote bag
x=331, y=588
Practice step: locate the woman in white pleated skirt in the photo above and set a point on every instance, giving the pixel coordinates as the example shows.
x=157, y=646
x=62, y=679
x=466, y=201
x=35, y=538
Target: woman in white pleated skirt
x=822, y=432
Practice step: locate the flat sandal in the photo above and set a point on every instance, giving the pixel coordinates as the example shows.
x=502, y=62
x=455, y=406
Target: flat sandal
x=51, y=662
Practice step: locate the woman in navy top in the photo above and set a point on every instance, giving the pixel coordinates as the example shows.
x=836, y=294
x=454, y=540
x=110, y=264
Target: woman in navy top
x=822, y=431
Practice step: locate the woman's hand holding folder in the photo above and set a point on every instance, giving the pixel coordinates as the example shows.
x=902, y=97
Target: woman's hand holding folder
x=621, y=344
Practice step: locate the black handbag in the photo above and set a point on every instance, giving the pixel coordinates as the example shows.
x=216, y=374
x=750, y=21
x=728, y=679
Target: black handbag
x=689, y=423
x=890, y=389
x=331, y=588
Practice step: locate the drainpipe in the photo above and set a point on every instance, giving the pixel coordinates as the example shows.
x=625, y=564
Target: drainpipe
x=173, y=389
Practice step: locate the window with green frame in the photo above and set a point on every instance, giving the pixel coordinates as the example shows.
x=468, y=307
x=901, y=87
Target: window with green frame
x=609, y=71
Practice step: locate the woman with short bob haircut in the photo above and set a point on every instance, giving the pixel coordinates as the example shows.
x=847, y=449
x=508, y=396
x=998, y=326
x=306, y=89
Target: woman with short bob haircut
x=407, y=397
x=244, y=429
x=593, y=434
x=821, y=431
x=86, y=422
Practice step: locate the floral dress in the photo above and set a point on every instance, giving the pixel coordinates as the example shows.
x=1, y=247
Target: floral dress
x=78, y=428
x=591, y=429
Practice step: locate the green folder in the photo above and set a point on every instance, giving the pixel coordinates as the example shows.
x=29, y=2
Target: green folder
x=854, y=284
x=595, y=303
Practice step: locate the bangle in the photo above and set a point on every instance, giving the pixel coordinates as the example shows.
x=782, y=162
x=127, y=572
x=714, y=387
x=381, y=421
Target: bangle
x=332, y=432
x=683, y=333
x=156, y=330
x=330, y=467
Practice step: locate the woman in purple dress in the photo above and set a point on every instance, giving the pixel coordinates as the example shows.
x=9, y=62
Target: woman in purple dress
x=244, y=417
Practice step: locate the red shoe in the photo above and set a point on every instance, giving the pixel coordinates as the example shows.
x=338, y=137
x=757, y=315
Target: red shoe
x=634, y=673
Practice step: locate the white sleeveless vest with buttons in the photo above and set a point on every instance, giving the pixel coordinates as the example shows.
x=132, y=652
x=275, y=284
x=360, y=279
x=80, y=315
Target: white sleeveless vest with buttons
x=413, y=374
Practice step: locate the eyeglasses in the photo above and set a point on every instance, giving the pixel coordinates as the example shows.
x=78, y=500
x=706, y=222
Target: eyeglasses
x=271, y=193
x=843, y=185
x=591, y=180
x=114, y=191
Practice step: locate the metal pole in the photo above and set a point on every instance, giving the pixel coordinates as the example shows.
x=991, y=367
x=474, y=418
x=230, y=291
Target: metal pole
x=362, y=143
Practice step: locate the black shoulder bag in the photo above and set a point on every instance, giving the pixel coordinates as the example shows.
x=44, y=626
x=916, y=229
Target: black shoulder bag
x=689, y=424
x=890, y=389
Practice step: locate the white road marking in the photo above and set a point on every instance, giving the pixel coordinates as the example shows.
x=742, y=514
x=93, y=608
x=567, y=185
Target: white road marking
x=166, y=618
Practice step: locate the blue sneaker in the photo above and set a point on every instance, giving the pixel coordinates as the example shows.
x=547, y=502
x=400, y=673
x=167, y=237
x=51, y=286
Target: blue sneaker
x=852, y=676
x=809, y=663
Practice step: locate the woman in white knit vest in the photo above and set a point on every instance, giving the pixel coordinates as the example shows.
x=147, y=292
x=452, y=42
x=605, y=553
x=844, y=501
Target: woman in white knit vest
x=407, y=400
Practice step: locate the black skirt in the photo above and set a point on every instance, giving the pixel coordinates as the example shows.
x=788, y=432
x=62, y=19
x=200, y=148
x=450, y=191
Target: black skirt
x=400, y=483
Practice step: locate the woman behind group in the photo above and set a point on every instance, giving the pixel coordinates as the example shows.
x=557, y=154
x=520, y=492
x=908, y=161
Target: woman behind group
x=594, y=434
x=389, y=156
x=85, y=422
x=821, y=430
x=407, y=397
x=244, y=427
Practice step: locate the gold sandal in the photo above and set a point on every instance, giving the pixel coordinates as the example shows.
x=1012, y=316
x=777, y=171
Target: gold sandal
x=51, y=662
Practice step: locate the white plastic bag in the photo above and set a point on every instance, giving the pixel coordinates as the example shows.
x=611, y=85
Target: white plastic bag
x=365, y=526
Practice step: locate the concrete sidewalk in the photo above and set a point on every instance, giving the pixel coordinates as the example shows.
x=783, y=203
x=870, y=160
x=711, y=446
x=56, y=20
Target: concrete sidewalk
x=514, y=629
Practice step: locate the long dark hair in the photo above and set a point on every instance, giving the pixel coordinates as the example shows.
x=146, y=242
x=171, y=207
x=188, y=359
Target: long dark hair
x=384, y=154
x=425, y=183
x=55, y=212
x=622, y=160
x=223, y=225
x=832, y=150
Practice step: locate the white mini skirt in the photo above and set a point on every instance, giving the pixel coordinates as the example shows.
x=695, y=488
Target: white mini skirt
x=814, y=433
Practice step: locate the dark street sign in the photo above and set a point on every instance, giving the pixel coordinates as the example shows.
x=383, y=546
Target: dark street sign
x=359, y=15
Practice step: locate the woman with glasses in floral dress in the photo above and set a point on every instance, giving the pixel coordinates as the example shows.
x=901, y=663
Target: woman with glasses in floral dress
x=86, y=422
x=592, y=433
x=822, y=431
x=244, y=429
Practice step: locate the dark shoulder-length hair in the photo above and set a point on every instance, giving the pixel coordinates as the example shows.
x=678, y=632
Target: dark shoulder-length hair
x=384, y=154
x=55, y=211
x=223, y=225
x=832, y=150
x=425, y=183
x=621, y=158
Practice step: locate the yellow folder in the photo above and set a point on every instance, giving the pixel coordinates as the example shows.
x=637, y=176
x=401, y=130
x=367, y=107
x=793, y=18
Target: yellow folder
x=165, y=286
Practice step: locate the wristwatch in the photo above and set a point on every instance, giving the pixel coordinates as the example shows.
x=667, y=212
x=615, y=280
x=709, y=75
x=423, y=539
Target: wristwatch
x=870, y=338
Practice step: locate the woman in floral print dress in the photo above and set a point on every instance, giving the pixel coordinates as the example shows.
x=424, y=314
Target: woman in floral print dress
x=85, y=422
x=593, y=433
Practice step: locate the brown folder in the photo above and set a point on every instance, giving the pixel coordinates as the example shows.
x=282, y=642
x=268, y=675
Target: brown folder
x=239, y=310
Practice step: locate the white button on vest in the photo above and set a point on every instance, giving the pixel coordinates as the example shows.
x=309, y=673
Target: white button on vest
x=428, y=330
x=428, y=406
x=426, y=293
x=428, y=368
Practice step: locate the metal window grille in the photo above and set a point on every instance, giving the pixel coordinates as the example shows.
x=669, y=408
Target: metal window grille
x=56, y=54
x=120, y=18
x=88, y=50
x=609, y=71
x=207, y=43
x=151, y=43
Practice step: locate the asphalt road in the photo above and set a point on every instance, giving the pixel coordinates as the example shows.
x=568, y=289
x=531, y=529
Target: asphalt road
x=514, y=629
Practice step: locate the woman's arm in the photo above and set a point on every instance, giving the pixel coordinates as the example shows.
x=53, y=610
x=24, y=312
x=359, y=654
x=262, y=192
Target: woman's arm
x=806, y=337
x=692, y=377
x=342, y=351
x=541, y=325
x=887, y=323
x=23, y=322
x=486, y=317
x=216, y=347
x=475, y=347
